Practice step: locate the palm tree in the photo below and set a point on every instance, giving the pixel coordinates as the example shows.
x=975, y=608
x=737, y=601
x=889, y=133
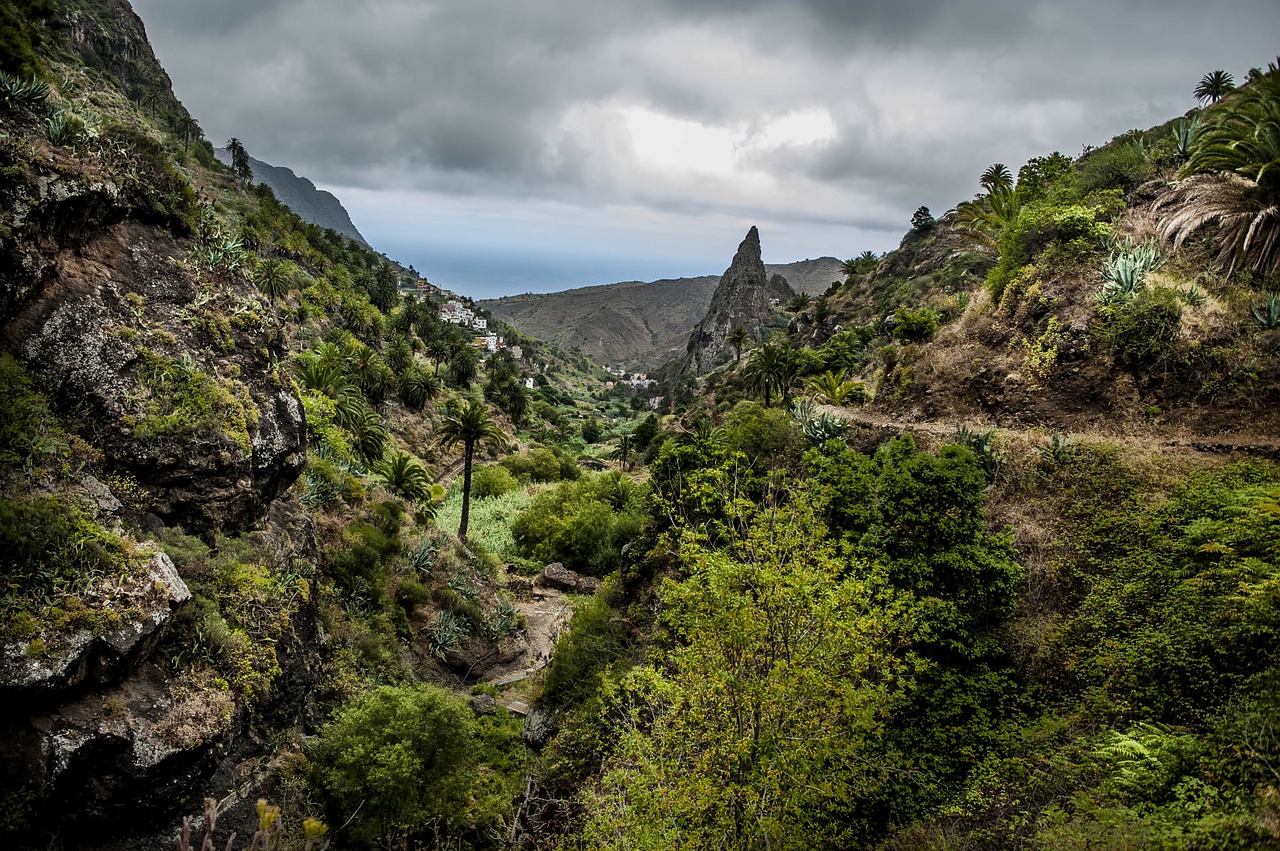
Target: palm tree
x=986, y=217
x=835, y=387
x=997, y=174
x=623, y=453
x=240, y=166
x=417, y=387
x=469, y=425
x=1234, y=180
x=799, y=302
x=404, y=476
x=738, y=338
x=1214, y=86
x=274, y=278
x=769, y=369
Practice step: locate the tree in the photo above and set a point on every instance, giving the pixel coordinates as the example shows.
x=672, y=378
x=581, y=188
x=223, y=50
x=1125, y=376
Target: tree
x=799, y=302
x=240, y=166
x=769, y=370
x=469, y=425
x=623, y=453
x=738, y=338
x=274, y=277
x=404, y=476
x=836, y=387
x=1234, y=181
x=922, y=220
x=997, y=174
x=398, y=761
x=1213, y=87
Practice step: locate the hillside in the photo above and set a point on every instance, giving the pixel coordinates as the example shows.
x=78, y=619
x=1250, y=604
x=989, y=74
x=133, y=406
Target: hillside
x=299, y=194
x=638, y=325
x=979, y=549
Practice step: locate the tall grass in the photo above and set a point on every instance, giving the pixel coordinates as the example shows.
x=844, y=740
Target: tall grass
x=490, y=522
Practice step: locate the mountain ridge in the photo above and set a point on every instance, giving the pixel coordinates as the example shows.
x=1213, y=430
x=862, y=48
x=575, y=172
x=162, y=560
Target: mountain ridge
x=298, y=193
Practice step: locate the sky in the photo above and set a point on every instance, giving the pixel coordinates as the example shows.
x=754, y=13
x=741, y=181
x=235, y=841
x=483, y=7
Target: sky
x=506, y=146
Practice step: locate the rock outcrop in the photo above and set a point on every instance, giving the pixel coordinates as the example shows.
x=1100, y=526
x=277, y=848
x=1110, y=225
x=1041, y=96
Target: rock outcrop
x=743, y=299
x=170, y=369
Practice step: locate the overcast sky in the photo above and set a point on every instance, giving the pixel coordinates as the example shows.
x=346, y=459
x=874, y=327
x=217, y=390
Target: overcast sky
x=533, y=145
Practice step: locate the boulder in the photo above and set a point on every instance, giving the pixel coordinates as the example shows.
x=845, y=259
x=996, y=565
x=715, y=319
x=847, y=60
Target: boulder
x=561, y=578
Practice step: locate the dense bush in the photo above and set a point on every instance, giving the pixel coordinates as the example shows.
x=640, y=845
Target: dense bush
x=398, y=763
x=582, y=524
x=492, y=480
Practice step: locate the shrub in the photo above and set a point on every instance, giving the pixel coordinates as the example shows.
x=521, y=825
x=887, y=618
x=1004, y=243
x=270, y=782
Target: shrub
x=492, y=480
x=913, y=326
x=398, y=763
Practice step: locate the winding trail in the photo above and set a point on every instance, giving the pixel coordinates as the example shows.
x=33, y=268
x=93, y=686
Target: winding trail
x=1202, y=444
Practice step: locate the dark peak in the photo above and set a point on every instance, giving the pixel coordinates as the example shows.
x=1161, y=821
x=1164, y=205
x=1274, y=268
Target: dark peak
x=750, y=244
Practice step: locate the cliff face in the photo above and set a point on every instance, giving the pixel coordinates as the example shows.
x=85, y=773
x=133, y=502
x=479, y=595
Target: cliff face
x=134, y=340
x=129, y=312
x=301, y=195
x=743, y=298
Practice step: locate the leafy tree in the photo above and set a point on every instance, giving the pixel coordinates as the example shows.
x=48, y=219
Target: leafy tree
x=1213, y=87
x=577, y=523
x=469, y=425
x=922, y=220
x=240, y=166
x=398, y=762
x=757, y=727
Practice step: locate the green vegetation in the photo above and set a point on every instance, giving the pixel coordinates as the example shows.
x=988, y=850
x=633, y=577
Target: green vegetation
x=397, y=763
x=584, y=524
x=1231, y=180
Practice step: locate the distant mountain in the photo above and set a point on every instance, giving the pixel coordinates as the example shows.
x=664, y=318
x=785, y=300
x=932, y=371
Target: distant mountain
x=635, y=324
x=301, y=195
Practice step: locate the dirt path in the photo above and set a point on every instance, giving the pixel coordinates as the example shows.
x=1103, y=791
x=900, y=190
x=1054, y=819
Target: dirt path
x=1204, y=444
x=546, y=612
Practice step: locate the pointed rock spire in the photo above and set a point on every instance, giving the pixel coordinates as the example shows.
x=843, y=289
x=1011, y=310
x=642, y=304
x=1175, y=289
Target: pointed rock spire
x=743, y=298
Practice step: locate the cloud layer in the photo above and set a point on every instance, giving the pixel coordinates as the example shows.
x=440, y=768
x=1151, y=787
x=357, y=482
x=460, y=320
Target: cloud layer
x=822, y=114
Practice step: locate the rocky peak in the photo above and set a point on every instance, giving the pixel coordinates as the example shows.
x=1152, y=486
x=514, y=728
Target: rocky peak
x=743, y=298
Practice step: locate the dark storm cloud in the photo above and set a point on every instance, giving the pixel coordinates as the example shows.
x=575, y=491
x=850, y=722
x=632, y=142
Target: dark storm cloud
x=506, y=100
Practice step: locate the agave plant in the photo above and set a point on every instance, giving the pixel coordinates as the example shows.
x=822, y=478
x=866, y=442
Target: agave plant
x=1124, y=271
x=22, y=91
x=447, y=633
x=818, y=428
x=982, y=443
x=1184, y=136
x=58, y=128
x=1060, y=451
x=1268, y=316
x=1193, y=295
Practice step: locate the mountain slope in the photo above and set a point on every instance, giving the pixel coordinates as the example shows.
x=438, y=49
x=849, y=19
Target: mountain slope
x=634, y=324
x=301, y=195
